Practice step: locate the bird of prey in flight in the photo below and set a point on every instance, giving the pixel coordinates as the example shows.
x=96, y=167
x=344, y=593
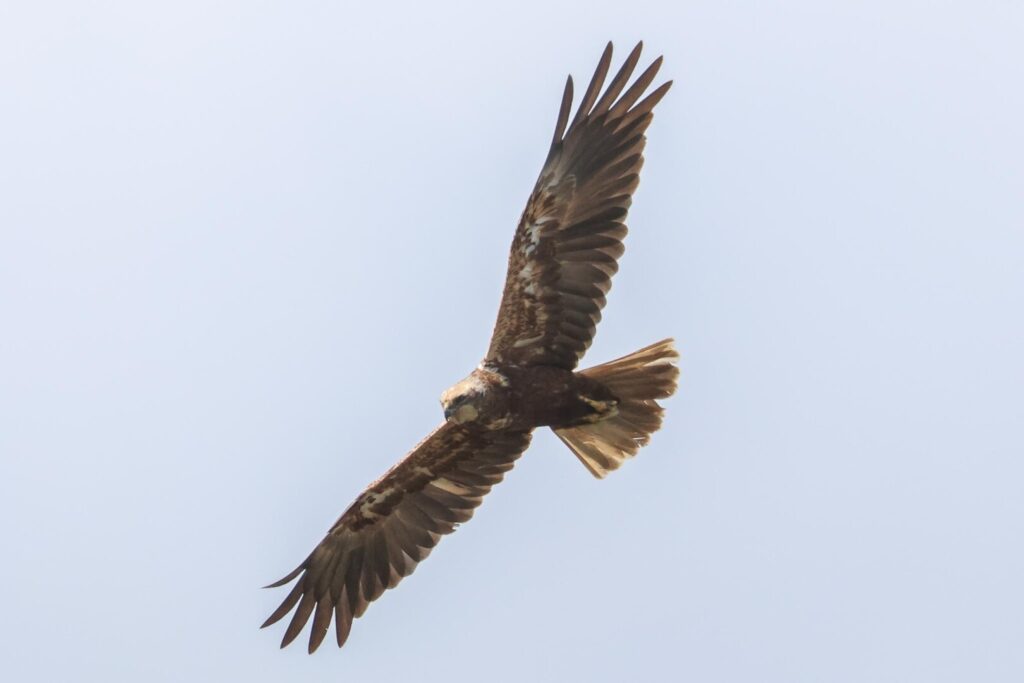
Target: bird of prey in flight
x=563, y=256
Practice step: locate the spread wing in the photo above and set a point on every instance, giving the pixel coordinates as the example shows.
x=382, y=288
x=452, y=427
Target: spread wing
x=394, y=525
x=569, y=238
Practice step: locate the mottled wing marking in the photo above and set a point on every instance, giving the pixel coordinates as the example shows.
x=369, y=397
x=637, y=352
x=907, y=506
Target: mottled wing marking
x=393, y=526
x=569, y=238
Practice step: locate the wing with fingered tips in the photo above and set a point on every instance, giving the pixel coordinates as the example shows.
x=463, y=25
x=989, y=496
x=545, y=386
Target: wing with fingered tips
x=569, y=238
x=394, y=525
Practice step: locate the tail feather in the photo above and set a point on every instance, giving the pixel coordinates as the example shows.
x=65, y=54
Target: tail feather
x=637, y=380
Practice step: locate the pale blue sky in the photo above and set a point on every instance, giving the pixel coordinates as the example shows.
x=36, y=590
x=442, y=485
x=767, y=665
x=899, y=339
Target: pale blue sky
x=243, y=249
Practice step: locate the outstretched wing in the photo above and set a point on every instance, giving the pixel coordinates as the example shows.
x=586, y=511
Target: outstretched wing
x=569, y=238
x=394, y=525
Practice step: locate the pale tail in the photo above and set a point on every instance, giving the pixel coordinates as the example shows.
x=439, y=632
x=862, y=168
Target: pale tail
x=638, y=380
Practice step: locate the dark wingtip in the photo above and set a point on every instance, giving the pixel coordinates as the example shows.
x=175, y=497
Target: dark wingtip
x=637, y=49
x=287, y=579
x=299, y=618
x=286, y=605
x=563, y=114
x=614, y=88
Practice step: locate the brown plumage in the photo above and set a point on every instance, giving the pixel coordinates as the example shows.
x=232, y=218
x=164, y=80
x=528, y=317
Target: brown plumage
x=394, y=525
x=562, y=259
x=569, y=239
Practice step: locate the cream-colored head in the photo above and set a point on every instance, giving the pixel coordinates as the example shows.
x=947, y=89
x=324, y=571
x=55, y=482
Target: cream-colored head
x=462, y=402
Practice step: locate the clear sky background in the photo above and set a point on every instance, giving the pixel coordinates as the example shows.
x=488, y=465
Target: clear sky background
x=244, y=247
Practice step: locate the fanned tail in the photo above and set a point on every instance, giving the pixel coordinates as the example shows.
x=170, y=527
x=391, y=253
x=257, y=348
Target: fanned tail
x=637, y=380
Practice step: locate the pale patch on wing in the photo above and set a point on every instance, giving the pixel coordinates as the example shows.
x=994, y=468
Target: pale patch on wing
x=534, y=232
x=520, y=343
x=529, y=277
x=451, y=487
x=372, y=499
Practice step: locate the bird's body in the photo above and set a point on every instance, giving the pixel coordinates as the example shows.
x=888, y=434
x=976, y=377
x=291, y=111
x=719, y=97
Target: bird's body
x=525, y=397
x=563, y=256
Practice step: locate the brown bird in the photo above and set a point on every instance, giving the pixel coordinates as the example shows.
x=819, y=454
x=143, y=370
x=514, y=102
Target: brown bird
x=563, y=256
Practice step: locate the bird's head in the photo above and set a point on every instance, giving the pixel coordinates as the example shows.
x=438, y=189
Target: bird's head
x=462, y=402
